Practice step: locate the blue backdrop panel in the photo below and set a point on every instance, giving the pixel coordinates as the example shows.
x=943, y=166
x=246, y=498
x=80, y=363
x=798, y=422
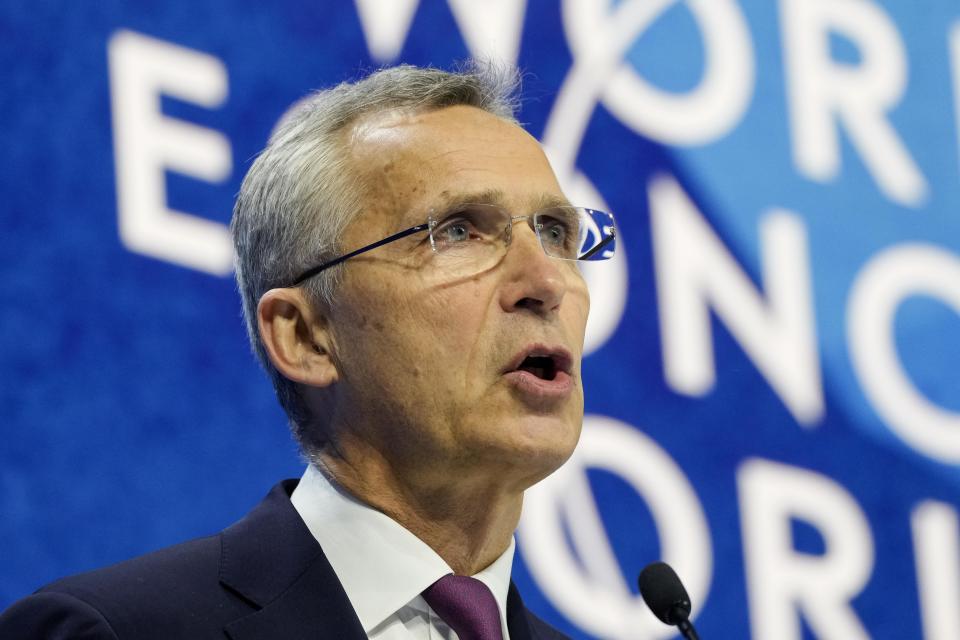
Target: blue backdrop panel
x=772, y=397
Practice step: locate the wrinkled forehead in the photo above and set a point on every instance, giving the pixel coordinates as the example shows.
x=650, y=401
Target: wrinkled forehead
x=411, y=164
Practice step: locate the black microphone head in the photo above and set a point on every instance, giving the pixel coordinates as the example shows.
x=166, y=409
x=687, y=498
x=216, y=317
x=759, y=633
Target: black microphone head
x=664, y=593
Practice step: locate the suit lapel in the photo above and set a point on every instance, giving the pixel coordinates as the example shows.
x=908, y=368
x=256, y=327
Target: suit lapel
x=517, y=622
x=271, y=560
x=523, y=624
x=313, y=607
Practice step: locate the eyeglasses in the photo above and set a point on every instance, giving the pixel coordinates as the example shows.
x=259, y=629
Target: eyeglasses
x=474, y=237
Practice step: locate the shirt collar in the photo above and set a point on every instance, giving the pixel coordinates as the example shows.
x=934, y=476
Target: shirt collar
x=381, y=565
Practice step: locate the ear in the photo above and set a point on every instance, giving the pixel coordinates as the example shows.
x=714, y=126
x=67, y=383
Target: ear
x=296, y=337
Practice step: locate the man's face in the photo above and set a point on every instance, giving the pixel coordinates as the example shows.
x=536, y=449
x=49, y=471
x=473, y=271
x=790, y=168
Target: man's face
x=429, y=362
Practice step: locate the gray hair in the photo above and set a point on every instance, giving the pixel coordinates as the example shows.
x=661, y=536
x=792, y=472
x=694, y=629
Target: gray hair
x=300, y=194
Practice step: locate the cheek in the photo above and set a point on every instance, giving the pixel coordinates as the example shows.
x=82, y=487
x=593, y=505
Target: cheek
x=428, y=334
x=372, y=325
x=576, y=311
x=454, y=321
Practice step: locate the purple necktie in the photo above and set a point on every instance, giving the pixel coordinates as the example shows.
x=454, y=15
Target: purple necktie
x=467, y=605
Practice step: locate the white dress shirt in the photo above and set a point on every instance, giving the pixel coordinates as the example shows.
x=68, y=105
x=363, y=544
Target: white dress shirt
x=382, y=566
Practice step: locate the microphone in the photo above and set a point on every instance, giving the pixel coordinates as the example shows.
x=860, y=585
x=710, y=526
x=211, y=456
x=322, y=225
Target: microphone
x=664, y=594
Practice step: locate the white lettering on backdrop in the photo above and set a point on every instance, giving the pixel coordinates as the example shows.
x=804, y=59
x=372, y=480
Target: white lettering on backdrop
x=148, y=143
x=881, y=286
x=936, y=544
x=491, y=30
x=696, y=273
x=824, y=94
x=785, y=583
x=593, y=592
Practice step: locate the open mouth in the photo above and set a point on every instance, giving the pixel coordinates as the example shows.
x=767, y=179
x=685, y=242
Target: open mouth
x=542, y=374
x=545, y=363
x=544, y=367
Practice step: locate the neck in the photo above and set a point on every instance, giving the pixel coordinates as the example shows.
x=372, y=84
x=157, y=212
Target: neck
x=465, y=517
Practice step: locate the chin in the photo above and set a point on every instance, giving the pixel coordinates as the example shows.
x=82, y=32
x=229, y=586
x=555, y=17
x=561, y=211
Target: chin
x=540, y=446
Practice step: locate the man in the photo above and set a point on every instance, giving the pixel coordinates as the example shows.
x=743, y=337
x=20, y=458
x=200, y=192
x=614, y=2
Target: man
x=407, y=263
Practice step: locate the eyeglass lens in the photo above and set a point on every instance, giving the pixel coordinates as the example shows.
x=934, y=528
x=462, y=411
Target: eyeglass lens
x=475, y=236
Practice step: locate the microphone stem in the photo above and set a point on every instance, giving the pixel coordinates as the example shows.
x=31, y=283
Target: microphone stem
x=687, y=630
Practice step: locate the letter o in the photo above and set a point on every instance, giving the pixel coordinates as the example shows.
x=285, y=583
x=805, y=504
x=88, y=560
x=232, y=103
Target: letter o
x=591, y=591
x=888, y=279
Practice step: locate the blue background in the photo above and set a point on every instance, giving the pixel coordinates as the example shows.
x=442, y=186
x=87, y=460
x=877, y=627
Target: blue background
x=133, y=415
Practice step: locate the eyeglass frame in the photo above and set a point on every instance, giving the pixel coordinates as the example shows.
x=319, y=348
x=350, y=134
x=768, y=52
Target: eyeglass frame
x=426, y=226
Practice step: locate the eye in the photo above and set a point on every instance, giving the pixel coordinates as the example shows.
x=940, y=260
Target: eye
x=554, y=233
x=455, y=229
x=467, y=226
x=557, y=229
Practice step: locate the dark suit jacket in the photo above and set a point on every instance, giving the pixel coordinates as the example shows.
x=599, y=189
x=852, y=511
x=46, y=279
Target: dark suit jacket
x=263, y=577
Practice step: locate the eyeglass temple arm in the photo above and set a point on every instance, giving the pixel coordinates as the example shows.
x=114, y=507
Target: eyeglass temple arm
x=601, y=245
x=379, y=243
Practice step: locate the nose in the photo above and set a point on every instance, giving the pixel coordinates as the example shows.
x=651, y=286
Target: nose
x=533, y=280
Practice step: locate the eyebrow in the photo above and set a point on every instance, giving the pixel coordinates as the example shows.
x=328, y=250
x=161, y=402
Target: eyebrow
x=549, y=201
x=487, y=196
x=498, y=197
